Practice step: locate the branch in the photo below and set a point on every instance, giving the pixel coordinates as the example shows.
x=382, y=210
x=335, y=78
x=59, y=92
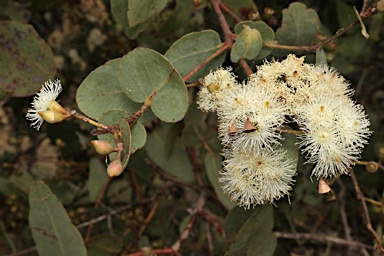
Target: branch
x=366, y=218
x=322, y=239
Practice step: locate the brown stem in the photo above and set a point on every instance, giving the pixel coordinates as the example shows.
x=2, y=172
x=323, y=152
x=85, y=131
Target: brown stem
x=135, y=183
x=74, y=114
x=366, y=218
x=312, y=48
x=234, y=16
x=246, y=67
x=322, y=238
x=133, y=118
x=222, y=49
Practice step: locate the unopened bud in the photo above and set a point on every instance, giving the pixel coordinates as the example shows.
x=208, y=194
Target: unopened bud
x=380, y=6
x=51, y=116
x=115, y=168
x=54, y=105
x=212, y=87
x=372, y=167
x=102, y=147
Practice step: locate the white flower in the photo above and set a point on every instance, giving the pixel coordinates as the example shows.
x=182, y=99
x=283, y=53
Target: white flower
x=44, y=104
x=261, y=108
x=216, y=85
x=257, y=179
x=336, y=130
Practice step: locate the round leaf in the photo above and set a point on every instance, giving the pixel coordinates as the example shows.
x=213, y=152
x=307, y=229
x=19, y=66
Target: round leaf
x=26, y=60
x=100, y=91
x=192, y=49
x=141, y=10
x=144, y=73
x=266, y=33
x=139, y=137
x=247, y=46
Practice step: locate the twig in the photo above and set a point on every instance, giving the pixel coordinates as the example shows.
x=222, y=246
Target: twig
x=148, y=219
x=74, y=114
x=344, y=219
x=312, y=48
x=230, y=12
x=135, y=183
x=97, y=203
x=199, y=206
x=366, y=218
x=247, y=69
x=322, y=239
x=209, y=239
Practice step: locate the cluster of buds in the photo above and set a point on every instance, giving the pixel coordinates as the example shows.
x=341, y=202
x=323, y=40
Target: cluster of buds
x=333, y=128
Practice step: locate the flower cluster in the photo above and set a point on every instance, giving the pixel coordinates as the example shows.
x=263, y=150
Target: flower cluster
x=333, y=128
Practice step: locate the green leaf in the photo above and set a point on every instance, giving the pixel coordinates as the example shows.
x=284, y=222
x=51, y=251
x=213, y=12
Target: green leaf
x=252, y=231
x=266, y=32
x=52, y=230
x=345, y=15
x=144, y=74
x=119, y=9
x=247, y=46
x=100, y=91
x=126, y=138
x=213, y=167
x=98, y=177
x=181, y=14
x=139, y=137
x=113, y=117
x=177, y=163
x=104, y=244
x=26, y=60
x=192, y=49
x=141, y=10
x=300, y=25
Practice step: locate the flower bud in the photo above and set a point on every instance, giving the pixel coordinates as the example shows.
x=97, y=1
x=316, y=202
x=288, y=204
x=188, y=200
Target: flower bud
x=212, y=87
x=54, y=105
x=115, y=168
x=51, y=116
x=380, y=6
x=102, y=147
x=372, y=167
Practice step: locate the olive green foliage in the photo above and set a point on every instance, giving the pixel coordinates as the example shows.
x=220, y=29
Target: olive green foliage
x=113, y=58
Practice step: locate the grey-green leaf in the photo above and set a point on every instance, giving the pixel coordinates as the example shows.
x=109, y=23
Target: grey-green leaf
x=175, y=163
x=52, y=230
x=266, y=32
x=26, y=61
x=300, y=25
x=247, y=46
x=213, y=166
x=98, y=177
x=254, y=234
x=100, y=91
x=141, y=10
x=192, y=49
x=139, y=137
x=146, y=74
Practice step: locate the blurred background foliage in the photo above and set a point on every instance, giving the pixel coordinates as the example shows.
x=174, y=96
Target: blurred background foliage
x=170, y=186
